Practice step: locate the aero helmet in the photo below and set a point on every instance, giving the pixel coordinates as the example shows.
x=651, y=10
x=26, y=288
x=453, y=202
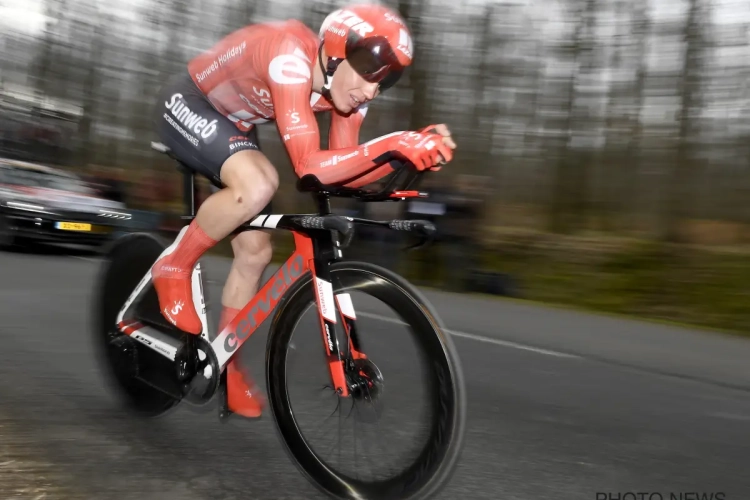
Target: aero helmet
x=373, y=38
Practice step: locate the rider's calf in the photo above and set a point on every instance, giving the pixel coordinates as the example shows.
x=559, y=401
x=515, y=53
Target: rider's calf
x=252, y=253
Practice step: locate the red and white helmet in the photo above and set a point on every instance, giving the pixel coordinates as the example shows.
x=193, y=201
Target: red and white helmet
x=372, y=38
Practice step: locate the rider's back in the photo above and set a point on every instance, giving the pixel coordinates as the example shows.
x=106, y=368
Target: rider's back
x=240, y=71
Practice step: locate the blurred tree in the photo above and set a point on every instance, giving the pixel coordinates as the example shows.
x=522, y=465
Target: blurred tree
x=412, y=12
x=238, y=15
x=481, y=120
x=569, y=199
x=91, y=84
x=633, y=153
x=681, y=175
x=42, y=72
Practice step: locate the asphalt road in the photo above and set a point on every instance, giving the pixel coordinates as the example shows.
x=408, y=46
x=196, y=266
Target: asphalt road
x=561, y=405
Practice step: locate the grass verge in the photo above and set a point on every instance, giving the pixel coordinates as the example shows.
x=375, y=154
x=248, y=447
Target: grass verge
x=688, y=285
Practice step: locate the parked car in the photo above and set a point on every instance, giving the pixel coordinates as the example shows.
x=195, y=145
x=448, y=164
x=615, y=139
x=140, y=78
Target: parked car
x=44, y=204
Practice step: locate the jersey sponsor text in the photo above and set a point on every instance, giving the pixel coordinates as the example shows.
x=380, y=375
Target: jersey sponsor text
x=192, y=121
x=221, y=60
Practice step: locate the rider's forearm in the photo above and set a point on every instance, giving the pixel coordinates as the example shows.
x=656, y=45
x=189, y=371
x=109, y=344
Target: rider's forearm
x=348, y=165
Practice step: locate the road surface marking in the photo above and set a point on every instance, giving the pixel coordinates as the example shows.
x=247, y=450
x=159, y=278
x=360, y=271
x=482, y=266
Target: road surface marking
x=480, y=338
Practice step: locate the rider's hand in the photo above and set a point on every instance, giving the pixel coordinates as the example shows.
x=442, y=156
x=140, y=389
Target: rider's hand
x=425, y=150
x=442, y=129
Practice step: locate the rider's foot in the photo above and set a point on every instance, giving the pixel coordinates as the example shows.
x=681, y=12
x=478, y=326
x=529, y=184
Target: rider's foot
x=174, y=289
x=243, y=396
x=171, y=277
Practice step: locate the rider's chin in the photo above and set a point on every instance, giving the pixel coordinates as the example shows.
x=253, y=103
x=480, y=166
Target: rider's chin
x=343, y=109
x=341, y=104
x=337, y=104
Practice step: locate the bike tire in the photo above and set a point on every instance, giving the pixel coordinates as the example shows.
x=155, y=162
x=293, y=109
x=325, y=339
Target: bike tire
x=126, y=261
x=437, y=461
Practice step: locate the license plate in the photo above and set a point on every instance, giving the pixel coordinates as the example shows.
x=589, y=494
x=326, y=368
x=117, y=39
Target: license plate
x=73, y=226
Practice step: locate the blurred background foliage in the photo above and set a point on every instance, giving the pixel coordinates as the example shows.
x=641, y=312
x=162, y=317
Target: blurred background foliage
x=603, y=144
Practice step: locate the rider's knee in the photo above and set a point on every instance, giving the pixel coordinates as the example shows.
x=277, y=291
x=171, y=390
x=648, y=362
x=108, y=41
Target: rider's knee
x=256, y=192
x=268, y=183
x=252, y=179
x=252, y=251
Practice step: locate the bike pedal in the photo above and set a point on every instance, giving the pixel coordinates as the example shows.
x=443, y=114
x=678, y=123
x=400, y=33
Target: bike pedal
x=225, y=414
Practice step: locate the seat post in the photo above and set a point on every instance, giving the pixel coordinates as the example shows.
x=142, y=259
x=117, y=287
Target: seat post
x=189, y=190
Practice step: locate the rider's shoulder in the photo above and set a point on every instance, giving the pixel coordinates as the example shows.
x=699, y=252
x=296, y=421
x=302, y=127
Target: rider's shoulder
x=292, y=33
x=297, y=28
x=290, y=54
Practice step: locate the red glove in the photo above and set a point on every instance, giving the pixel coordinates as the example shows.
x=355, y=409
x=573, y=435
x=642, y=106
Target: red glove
x=424, y=150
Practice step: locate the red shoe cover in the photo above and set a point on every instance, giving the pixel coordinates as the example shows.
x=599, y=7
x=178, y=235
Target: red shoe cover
x=243, y=397
x=175, y=293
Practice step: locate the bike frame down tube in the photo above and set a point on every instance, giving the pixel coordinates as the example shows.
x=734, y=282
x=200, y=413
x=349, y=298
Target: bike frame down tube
x=241, y=327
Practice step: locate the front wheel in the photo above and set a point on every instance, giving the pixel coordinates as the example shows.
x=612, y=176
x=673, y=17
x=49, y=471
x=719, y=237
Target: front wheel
x=434, y=461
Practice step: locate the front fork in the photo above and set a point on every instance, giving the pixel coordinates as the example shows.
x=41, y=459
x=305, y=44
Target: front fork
x=325, y=250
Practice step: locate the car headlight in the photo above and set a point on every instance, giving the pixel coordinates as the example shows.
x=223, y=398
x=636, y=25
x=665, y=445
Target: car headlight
x=111, y=214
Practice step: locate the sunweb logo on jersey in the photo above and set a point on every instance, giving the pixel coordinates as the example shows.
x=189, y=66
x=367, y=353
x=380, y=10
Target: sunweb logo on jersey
x=192, y=121
x=290, y=69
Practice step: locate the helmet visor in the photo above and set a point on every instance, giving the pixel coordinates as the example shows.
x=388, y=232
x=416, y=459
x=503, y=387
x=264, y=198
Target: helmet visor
x=374, y=60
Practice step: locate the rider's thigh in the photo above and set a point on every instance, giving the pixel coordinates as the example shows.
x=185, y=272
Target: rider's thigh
x=253, y=251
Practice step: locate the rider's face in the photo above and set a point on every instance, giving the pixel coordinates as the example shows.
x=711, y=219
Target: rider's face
x=350, y=90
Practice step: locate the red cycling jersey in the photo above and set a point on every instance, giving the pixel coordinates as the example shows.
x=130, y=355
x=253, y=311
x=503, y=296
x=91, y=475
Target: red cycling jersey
x=263, y=72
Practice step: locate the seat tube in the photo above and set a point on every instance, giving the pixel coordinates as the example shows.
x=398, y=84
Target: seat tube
x=189, y=190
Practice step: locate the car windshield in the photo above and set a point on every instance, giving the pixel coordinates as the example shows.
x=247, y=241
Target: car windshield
x=30, y=178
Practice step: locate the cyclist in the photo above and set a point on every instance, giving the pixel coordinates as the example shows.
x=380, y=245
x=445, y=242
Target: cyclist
x=280, y=72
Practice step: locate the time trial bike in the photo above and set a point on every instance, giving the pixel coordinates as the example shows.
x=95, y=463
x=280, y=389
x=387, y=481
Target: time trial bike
x=154, y=366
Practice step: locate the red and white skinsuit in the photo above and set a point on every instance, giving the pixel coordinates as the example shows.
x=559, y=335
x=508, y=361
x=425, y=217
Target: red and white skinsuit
x=264, y=73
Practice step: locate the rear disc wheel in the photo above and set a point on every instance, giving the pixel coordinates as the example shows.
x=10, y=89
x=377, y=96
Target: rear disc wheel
x=126, y=262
